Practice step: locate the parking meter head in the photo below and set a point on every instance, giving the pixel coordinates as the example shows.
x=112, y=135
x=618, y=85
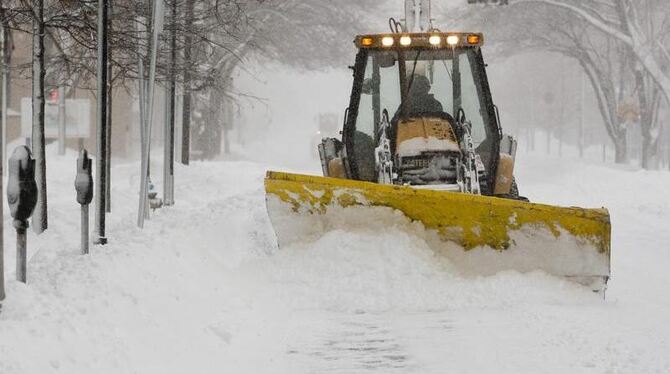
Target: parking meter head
x=21, y=186
x=83, y=182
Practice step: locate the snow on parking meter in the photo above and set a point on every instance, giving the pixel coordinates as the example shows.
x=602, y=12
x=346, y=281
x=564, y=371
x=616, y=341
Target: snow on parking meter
x=21, y=197
x=83, y=184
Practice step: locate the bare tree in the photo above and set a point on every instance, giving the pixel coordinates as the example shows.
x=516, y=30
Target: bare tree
x=643, y=28
x=613, y=66
x=305, y=34
x=215, y=39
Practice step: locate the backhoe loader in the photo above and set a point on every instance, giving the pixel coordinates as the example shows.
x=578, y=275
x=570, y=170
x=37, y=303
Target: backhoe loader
x=422, y=136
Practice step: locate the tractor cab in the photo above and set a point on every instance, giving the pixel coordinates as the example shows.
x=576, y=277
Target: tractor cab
x=421, y=114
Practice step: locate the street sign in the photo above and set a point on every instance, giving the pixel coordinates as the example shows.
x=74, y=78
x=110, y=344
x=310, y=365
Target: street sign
x=77, y=122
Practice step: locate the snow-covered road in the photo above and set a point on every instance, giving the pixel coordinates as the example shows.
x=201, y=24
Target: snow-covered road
x=203, y=288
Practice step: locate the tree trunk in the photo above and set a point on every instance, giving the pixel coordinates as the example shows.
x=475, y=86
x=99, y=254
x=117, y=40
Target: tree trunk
x=603, y=86
x=548, y=134
x=227, y=125
x=101, y=117
x=649, y=151
x=40, y=222
x=168, y=171
x=186, y=104
x=650, y=99
x=580, y=133
x=620, y=154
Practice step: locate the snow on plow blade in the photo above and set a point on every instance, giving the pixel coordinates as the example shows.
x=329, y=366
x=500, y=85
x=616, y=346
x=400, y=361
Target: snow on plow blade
x=480, y=235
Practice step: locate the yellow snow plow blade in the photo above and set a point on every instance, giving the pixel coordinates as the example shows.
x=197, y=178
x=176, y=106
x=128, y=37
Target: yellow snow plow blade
x=481, y=235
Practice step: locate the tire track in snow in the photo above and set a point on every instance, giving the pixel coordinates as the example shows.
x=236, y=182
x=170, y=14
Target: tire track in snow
x=350, y=343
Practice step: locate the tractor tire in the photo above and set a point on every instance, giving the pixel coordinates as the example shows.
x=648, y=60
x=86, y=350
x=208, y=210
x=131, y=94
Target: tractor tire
x=514, y=191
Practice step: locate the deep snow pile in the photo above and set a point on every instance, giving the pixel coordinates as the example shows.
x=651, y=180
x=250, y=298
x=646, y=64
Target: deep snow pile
x=203, y=288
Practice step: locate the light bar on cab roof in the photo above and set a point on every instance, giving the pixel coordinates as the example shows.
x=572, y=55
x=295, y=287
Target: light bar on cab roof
x=427, y=40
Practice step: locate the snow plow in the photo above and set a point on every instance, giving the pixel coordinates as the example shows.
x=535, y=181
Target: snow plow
x=422, y=137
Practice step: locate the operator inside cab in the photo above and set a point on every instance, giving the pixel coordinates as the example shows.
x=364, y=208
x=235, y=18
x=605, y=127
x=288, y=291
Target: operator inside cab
x=421, y=101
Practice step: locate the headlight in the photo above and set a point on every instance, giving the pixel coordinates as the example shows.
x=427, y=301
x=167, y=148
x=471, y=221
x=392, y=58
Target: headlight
x=452, y=40
x=435, y=40
x=387, y=41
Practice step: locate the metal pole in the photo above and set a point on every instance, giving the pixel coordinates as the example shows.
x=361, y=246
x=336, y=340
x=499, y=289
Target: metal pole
x=2, y=230
x=84, y=229
x=166, y=149
x=61, y=121
x=156, y=29
x=4, y=68
x=108, y=145
x=141, y=32
x=5, y=106
x=532, y=115
x=580, y=140
x=101, y=143
x=108, y=153
x=21, y=253
x=140, y=82
x=172, y=92
x=4, y=41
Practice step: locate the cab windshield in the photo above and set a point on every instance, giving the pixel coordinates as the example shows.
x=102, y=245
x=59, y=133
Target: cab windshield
x=436, y=81
x=421, y=82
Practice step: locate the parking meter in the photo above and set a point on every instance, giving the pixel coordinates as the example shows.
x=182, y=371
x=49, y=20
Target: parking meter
x=22, y=198
x=83, y=182
x=21, y=186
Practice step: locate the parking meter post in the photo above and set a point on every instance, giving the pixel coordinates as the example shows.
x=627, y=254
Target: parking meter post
x=21, y=250
x=83, y=184
x=84, y=229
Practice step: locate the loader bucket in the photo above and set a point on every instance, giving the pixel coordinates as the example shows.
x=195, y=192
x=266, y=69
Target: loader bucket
x=480, y=235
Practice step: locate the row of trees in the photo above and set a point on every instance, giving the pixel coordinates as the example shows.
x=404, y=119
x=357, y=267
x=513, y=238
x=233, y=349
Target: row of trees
x=621, y=45
x=202, y=44
x=213, y=39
